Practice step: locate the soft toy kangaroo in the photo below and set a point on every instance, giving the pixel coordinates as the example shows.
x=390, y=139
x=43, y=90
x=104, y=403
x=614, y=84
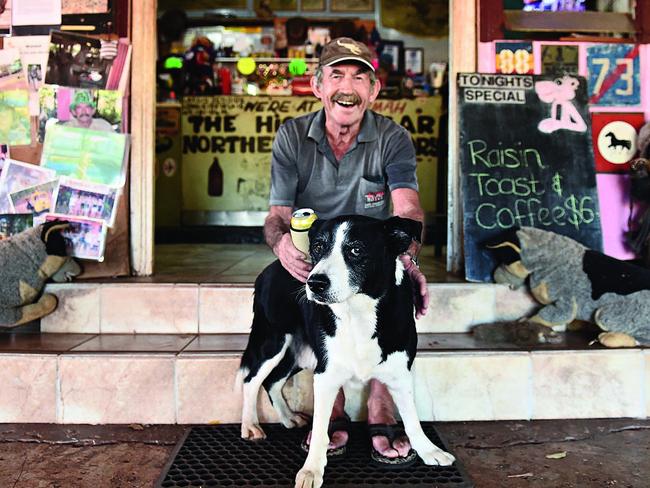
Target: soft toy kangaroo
x=27, y=260
x=573, y=282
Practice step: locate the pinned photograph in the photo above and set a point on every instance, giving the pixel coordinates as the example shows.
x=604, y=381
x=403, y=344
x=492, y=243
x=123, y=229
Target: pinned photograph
x=17, y=176
x=75, y=61
x=15, y=128
x=85, y=238
x=11, y=70
x=33, y=56
x=12, y=224
x=79, y=107
x=5, y=17
x=4, y=155
x=84, y=154
x=84, y=199
x=36, y=200
x=69, y=7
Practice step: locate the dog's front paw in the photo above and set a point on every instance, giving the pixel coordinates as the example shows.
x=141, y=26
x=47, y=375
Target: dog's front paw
x=307, y=478
x=252, y=432
x=436, y=457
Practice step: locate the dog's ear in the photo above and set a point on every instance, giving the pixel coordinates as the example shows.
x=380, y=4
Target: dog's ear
x=400, y=232
x=506, y=247
x=52, y=237
x=316, y=227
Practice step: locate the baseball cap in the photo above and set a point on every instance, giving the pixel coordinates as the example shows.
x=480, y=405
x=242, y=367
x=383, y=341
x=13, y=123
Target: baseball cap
x=82, y=96
x=345, y=49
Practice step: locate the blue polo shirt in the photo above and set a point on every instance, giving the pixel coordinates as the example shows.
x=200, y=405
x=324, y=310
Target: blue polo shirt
x=305, y=173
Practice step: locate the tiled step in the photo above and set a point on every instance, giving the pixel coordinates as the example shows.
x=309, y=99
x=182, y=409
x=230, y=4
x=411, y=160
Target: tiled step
x=207, y=309
x=86, y=378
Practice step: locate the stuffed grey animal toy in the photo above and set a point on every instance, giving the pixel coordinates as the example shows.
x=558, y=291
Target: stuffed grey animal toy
x=573, y=282
x=27, y=261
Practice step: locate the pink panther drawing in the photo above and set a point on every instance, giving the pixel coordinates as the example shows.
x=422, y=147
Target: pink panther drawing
x=564, y=114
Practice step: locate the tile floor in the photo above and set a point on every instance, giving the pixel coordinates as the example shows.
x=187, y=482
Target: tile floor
x=241, y=263
x=53, y=343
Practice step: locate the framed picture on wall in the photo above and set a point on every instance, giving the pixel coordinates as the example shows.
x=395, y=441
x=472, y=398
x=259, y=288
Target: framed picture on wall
x=393, y=50
x=352, y=5
x=312, y=5
x=414, y=60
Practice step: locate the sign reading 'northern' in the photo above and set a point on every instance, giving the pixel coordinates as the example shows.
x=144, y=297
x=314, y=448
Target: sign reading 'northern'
x=526, y=160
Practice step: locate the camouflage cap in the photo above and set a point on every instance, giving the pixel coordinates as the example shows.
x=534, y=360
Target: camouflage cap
x=83, y=96
x=345, y=49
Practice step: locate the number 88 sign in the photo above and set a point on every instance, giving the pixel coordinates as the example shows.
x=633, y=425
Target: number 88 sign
x=514, y=57
x=613, y=74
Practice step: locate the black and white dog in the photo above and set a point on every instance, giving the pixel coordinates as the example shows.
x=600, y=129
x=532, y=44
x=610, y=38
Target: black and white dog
x=356, y=323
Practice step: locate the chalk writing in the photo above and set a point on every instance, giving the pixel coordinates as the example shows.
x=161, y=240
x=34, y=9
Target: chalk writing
x=508, y=157
x=574, y=211
x=515, y=173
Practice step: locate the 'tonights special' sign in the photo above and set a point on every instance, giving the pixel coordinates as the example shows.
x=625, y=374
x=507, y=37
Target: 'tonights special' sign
x=526, y=160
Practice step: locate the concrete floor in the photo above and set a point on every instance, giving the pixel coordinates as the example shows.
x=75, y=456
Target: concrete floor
x=599, y=453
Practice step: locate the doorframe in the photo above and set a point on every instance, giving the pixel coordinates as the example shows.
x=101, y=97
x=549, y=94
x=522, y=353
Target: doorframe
x=143, y=138
x=462, y=58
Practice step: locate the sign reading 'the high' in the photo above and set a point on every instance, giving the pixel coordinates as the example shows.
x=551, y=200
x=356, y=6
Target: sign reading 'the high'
x=526, y=160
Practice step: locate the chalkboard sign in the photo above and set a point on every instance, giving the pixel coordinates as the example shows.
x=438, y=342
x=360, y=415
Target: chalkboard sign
x=526, y=160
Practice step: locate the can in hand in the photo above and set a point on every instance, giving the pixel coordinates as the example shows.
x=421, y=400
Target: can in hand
x=301, y=221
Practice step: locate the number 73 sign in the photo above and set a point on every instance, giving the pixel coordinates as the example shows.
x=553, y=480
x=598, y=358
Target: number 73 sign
x=613, y=74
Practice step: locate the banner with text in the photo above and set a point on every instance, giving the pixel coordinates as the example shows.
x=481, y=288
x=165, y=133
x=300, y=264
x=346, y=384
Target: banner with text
x=227, y=142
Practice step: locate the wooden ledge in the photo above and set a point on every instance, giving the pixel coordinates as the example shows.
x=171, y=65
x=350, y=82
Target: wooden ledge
x=590, y=22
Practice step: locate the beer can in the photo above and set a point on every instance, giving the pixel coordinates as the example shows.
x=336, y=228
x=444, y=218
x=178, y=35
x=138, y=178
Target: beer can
x=301, y=221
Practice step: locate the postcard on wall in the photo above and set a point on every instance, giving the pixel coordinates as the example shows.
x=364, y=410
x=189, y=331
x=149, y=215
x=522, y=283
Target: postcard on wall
x=36, y=200
x=72, y=7
x=11, y=70
x=33, y=56
x=83, y=199
x=36, y=12
x=85, y=238
x=17, y=176
x=79, y=107
x=5, y=18
x=15, y=127
x=12, y=224
x=4, y=155
x=84, y=154
x=75, y=60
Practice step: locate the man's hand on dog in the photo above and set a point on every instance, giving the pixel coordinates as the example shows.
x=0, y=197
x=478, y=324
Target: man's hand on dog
x=292, y=259
x=420, y=289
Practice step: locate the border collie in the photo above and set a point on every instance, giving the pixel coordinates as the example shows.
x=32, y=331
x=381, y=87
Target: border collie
x=356, y=323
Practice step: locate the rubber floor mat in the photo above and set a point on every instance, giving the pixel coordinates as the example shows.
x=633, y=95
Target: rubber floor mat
x=216, y=455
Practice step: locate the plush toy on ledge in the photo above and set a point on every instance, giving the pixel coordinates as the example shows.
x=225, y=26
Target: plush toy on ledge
x=573, y=282
x=27, y=261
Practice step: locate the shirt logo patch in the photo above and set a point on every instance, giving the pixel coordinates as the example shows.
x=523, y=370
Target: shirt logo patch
x=374, y=199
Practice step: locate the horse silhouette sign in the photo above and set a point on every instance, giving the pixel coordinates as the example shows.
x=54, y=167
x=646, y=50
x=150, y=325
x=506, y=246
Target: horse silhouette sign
x=526, y=160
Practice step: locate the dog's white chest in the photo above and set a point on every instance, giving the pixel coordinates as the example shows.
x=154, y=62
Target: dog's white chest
x=353, y=347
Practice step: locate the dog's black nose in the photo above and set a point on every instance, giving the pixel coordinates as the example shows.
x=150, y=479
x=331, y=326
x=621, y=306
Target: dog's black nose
x=318, y=283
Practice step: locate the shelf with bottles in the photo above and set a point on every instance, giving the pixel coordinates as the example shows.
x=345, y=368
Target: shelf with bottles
x=266, y=59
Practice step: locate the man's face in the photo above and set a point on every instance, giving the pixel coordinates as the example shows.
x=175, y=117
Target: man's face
x=84, y=113
x=346, y=93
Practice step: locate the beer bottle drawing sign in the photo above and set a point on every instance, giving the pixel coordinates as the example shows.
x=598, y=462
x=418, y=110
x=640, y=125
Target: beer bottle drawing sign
x=526, y=159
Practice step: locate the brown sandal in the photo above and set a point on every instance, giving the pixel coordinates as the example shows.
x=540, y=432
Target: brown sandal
x=391, y=432
x=336, y=425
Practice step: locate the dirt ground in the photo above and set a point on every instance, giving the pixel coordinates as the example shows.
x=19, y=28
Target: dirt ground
x=591, y=453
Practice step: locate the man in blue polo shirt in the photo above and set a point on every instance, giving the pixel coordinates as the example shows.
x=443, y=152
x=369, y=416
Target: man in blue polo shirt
x=346, y=159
